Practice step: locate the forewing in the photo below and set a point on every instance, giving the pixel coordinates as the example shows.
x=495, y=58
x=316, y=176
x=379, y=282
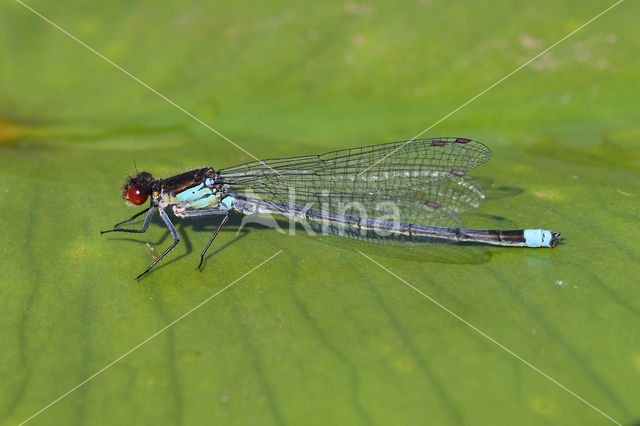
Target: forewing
x=425, y=179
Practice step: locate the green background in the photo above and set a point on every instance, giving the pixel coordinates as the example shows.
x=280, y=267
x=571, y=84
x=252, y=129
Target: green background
x=319, y=335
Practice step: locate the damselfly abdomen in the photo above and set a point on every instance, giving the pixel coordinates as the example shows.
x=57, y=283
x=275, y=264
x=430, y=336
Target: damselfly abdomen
x=405, y=192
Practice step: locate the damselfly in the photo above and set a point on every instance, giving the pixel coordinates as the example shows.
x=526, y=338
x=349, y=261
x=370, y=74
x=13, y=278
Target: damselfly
x=406, y=192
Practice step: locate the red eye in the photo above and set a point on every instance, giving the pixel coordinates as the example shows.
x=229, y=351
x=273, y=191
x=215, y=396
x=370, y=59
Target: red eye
x=136, y=194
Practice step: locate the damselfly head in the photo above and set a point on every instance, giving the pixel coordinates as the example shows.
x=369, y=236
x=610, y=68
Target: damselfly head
x=136, y=189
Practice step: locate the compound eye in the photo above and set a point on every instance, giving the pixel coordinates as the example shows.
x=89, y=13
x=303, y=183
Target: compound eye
x=136, y=194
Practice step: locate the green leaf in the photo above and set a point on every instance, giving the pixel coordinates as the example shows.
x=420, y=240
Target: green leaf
x=319, y=334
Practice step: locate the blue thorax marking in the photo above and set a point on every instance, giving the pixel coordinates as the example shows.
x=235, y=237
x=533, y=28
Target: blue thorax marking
x=227, y=202
x=205, y=195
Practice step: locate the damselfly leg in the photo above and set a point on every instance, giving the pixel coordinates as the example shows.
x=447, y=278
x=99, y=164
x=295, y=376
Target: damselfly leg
x=172, y=229
x=131, y=218
x=145, y=225
x=213, y=237
x=142, y=230
x=208, y=212
x=176, y=239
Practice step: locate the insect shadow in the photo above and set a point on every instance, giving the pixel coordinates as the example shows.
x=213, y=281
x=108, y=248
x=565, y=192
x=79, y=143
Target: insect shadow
x=501, y=192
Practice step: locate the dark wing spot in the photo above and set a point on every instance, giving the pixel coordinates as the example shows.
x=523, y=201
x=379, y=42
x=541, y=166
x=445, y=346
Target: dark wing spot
x=432, y=204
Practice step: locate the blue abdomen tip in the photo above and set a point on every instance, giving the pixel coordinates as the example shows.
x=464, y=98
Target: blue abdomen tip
x=538, y=238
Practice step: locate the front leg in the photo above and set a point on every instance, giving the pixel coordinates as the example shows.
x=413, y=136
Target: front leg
x=145, y=225
x=130, y=219
x=172, y=229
